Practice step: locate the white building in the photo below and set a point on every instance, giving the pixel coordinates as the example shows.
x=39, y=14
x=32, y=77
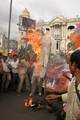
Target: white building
x=60, y=30
x=1, y=39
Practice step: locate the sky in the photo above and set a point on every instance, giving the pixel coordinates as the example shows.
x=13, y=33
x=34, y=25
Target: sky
x=39, y=9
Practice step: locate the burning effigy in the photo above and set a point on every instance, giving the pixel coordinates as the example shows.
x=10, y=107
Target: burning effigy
x=34, y=36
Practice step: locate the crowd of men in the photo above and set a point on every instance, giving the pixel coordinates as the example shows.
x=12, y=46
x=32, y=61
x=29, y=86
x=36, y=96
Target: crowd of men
x=17, y=69
x=16, y=72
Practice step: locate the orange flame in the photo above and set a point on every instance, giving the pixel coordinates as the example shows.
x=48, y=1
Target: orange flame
x=28, y=102
x=35, y=38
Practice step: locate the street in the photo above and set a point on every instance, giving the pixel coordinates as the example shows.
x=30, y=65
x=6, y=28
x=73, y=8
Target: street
x=12, y=108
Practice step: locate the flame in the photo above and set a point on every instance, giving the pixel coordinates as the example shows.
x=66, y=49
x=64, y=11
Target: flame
x=35, y=37
x=28, y=102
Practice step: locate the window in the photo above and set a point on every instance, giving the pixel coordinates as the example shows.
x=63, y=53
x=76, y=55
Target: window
x=57, y=45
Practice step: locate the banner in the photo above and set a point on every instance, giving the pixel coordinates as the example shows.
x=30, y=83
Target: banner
x=55, y=78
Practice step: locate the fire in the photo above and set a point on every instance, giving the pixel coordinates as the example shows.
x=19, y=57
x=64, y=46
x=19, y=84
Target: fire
x=35, y=37
x=28, y=102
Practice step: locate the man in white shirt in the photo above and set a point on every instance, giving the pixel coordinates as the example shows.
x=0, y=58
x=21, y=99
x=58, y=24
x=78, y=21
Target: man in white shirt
x=14, y=67
x=6, y=79
x=73, y=99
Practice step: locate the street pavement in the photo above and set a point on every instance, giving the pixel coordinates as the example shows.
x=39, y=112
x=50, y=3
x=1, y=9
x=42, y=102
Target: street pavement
x=12, y=108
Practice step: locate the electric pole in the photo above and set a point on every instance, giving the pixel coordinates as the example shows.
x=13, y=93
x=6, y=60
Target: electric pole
x=9, y=27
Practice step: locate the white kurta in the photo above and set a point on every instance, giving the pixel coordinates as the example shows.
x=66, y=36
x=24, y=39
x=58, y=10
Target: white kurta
x=46, y=49
x=73, y=103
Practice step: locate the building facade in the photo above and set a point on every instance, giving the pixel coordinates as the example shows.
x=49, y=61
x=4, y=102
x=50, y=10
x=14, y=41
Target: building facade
x=60, y=27
x=60, y=30
x=4, y=44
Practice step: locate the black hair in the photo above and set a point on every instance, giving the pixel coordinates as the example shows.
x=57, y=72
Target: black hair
x=15, y=55
x=47, y=29
x=75, y=58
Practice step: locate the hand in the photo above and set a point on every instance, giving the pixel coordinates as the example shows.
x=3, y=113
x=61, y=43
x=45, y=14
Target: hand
x=78, y=116
x=53, y=97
